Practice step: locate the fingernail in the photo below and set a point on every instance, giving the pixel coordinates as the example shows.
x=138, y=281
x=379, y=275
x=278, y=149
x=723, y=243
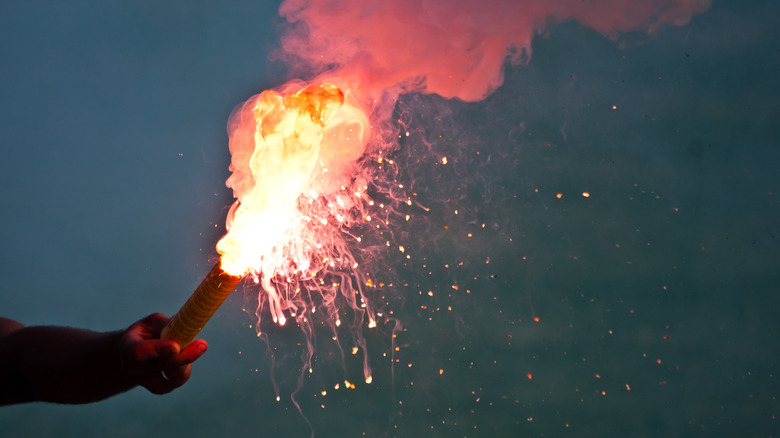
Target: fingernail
x=202, y=348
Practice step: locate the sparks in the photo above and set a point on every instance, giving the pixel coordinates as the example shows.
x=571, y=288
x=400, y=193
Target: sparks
x=298, y=188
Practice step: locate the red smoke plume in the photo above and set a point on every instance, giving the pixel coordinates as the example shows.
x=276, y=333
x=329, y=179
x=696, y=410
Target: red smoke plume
x=454, y=48
x=301, y=186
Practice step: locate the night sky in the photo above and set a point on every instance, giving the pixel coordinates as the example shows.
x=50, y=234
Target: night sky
x=647, y=308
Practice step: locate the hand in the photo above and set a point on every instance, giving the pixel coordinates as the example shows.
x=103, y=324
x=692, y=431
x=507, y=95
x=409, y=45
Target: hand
x=158, y=365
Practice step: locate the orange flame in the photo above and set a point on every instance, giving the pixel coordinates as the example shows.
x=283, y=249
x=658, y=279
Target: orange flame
x=292, y=153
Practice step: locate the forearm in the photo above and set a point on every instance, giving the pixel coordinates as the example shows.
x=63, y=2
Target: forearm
x=59, y=364
x=67, y=365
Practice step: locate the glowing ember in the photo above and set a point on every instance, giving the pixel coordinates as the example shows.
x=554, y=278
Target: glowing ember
x=294, y=177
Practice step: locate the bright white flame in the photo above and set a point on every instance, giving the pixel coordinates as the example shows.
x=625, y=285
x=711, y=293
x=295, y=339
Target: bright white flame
x=292, y=153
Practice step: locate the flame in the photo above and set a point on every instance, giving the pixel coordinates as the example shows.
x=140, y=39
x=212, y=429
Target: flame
x=293, y=157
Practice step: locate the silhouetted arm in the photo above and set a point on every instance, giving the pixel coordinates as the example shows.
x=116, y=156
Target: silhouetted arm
x=69, y=365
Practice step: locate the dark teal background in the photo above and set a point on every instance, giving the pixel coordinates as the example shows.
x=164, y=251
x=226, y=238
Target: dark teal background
x=657, y=295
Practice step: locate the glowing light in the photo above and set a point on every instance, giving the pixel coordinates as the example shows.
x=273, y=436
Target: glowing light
x=282, y=146
x=294, y=174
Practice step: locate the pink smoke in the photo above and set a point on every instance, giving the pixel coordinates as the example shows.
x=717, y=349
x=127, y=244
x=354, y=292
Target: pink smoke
x=454, y=48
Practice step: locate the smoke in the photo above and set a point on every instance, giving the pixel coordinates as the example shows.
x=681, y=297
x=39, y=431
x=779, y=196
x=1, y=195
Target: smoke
x=453, y=48
x=313, y=162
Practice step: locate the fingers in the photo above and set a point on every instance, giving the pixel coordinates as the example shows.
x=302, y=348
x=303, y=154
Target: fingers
x=174, y=371
x=156, y=355
x=157, y=364
x=165, y=381
x=192, y=352
x=145, y=351
x=148, y=328
x=140, y=341
x=156, y=322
